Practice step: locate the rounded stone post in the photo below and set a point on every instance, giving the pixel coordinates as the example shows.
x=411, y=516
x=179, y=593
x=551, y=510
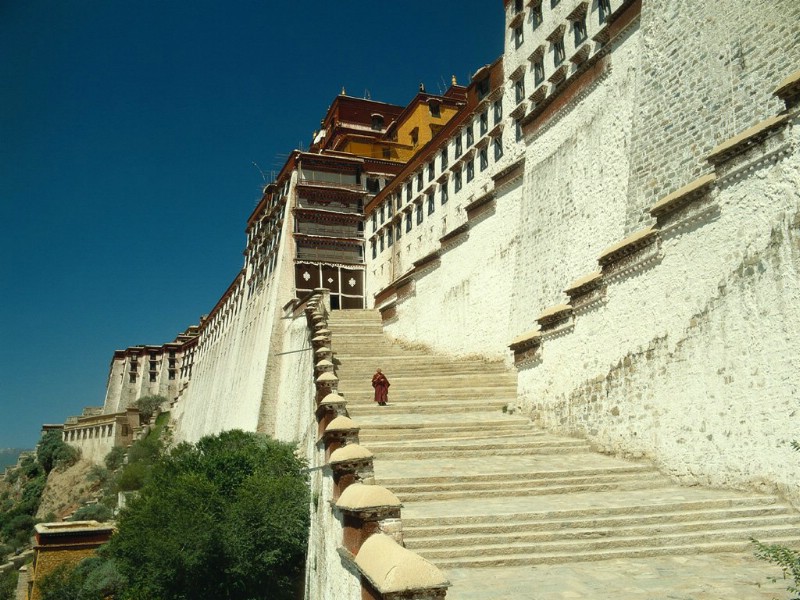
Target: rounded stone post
x=390, y=572
x=323, y=352
x=368, y=509
x=339, y=432
x=326, y=384
x=350, y=464
x=331, y=406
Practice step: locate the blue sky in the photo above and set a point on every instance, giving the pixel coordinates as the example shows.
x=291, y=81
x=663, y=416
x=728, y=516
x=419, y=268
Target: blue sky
x=128, y=132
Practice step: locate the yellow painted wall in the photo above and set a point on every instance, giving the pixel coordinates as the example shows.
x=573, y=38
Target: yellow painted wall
x=427, y=125
x=47, y=560
x=404, y=150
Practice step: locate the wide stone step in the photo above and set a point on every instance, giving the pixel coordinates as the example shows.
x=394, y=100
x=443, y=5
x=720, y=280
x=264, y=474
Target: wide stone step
x=591, y=506
x=489, y=449
x=533, y=524
x=560, y=545
x=509, y=558
x=529, y=489
x=497, y=432
x=419, y=405
x=746, y=523
x=430, y=372
x=502, y=480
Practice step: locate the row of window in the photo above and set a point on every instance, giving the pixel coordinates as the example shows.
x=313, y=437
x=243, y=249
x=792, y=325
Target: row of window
x=465, y=138
x=394, y=232
x=578, y=28
x=153, y=375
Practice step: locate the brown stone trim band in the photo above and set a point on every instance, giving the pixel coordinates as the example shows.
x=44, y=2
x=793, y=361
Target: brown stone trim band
x=747, y=139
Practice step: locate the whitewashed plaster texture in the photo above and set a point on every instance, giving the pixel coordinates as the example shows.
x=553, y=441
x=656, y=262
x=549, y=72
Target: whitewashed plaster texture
x=234, y=354
x=542, y=233
x=694, y=360
x=328, y=576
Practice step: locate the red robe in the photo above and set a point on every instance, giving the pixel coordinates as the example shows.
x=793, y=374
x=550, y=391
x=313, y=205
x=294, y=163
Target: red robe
x=381, y=385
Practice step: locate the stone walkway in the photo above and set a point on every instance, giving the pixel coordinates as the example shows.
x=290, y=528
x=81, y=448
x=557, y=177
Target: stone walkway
x=509, y=511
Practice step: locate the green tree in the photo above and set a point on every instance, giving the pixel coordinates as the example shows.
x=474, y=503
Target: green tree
x=115, y=458
x=786, y=558
x=148, y=405
x=225, y=518
x=8, y=585
x=52, y=452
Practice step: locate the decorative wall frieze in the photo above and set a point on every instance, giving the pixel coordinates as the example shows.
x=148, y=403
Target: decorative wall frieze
x=747, y=139
x=768, y=151
x=526, y=347
x=427, y=262
x=449, y=239
x=478, y=206
x=684, y=204
x=388, y=311
x=788, y=90
x=634, y=252
x=585, y=292
x=555, y=320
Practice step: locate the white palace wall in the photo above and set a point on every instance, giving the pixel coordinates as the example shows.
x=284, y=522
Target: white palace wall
x=693, y=358
x=542, y=232
x=238, y=357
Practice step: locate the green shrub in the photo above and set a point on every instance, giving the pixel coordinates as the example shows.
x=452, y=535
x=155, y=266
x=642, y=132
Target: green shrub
x=8, y=585
x=786, y=558
x=52, y=451
x=148, y=405
x=94, y=578
x=115, y=458
x=92, y=512
x=97, y=474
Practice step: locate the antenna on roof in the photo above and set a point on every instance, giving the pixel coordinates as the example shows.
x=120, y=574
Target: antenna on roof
x=263, y=178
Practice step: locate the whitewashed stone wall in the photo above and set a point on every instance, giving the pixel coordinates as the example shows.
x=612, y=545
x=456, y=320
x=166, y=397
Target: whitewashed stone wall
x=237, y=357
x=541, y=234
x=327, y=575
x=695, y=360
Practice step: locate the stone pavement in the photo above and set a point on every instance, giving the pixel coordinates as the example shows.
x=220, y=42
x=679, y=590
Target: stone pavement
x=509, y=511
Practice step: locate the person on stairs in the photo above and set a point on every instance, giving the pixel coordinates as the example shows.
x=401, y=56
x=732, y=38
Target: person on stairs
x=381, y=385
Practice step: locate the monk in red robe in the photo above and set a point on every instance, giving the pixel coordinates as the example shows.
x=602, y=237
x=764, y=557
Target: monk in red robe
x=381, y=385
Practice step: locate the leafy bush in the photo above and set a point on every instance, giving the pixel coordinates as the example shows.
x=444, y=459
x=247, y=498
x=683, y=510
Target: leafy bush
x=115, y=458
x=148, y=405
x=225, y=518
x=8, y=585
x=92, y=512
x=787, y=559
x=97, y=474
x=52, y=452
x=94, y=578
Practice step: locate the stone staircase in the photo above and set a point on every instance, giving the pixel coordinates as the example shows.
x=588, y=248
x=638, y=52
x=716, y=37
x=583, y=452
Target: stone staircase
x=490, y=499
